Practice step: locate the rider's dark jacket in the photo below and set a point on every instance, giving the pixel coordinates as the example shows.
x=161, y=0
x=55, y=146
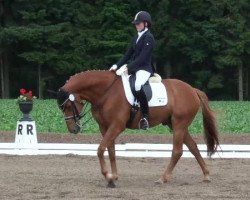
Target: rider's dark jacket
x=139, y=55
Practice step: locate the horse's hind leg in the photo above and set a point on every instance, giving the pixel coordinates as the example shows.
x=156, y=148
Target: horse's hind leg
x=177, y=151
x=188, y=140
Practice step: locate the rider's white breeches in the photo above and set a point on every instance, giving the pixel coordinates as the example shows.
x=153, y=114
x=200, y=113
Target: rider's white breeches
x=141, y=78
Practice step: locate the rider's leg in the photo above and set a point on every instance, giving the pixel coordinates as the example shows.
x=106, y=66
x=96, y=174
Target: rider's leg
x=140, y=95
x=141, y=78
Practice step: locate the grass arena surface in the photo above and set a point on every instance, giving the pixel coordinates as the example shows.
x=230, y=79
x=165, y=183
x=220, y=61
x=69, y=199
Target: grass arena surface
x=232, y=116
x=78, y=177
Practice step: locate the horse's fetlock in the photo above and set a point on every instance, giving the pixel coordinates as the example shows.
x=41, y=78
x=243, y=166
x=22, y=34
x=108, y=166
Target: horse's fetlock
x=206, y=172
x=104, y=173
x=109, y=176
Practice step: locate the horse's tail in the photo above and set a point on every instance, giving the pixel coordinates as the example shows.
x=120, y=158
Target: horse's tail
x=209, y=124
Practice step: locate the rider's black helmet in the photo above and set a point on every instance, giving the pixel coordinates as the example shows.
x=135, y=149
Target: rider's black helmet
x=142, y=16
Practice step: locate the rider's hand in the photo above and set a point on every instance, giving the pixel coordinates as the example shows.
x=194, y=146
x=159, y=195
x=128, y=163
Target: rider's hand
x=122, y=69
x=113, y=68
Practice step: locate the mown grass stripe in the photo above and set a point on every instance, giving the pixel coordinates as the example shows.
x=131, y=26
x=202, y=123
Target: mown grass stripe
x=233, y=117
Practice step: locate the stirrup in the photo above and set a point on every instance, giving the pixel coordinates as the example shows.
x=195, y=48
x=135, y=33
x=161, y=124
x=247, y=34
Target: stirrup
x=143, y=124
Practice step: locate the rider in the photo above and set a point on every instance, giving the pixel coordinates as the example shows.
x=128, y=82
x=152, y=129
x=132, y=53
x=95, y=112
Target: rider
x=138, y=60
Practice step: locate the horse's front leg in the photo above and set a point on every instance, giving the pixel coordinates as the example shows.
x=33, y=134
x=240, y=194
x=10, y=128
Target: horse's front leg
x=112, y=158
x=108, y=141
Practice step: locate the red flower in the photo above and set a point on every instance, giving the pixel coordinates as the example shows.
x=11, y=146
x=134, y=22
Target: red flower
x=25, y=96
x=29, y=94
x=22, y=91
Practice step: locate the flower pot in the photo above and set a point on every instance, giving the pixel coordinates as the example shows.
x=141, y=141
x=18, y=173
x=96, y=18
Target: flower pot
x=25, y=107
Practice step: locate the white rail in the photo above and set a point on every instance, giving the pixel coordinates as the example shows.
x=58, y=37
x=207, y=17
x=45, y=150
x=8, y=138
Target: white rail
x=124, y=150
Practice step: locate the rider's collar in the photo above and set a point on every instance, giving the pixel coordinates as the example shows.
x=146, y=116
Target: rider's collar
x=141, y=33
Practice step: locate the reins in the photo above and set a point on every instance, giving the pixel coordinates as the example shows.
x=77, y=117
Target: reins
x=110, y=86
x=76, y=115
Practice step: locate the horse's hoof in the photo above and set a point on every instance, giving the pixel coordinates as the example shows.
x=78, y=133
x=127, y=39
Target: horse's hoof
x=206, y=179
x=111, y=184
x=110, y=180
x=160, y=182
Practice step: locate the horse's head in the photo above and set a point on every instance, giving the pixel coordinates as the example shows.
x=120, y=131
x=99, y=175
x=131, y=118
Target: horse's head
x=71, y=105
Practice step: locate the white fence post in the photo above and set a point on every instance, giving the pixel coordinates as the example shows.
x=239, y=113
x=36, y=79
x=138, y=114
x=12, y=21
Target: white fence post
x=26, y=136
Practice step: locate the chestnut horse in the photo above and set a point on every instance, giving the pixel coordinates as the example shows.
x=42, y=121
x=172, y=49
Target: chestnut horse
x=111, y=110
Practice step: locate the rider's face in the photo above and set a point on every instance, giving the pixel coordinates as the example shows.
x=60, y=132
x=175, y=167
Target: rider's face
x=139, y=27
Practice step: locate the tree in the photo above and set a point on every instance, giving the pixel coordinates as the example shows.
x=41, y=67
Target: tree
x=5, y=18
x=51, y=36
x=203, y=39
x=116, y=29
x=205, y=43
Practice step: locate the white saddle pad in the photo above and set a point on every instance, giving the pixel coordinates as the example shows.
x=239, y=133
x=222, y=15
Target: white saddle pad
x=159, y=93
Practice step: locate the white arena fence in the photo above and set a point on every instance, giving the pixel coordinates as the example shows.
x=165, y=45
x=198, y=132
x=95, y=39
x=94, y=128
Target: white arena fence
x=123, y=150
x=26, y=144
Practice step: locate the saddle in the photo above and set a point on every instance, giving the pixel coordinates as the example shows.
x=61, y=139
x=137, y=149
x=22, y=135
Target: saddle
x=146, y=87
x=154, y=88
x=155, y=93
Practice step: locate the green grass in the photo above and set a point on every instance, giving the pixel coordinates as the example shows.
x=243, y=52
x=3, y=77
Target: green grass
x=233, y=117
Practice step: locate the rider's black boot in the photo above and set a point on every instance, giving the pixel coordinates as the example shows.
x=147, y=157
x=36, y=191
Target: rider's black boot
x=141, y=97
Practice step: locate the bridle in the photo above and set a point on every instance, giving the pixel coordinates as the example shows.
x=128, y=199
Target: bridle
x=71, y=98
x=76, y=115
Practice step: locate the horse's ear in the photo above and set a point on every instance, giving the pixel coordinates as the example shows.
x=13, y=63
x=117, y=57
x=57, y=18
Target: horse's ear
x=62, y=95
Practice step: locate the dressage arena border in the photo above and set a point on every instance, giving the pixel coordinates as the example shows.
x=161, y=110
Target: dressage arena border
x=122, y=150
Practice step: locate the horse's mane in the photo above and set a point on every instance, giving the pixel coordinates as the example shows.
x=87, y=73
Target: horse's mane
x=84, y=73
x=90, y=76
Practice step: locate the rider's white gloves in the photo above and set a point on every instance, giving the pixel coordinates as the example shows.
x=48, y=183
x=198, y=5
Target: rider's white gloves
x=113, y=68
x=122, y=69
